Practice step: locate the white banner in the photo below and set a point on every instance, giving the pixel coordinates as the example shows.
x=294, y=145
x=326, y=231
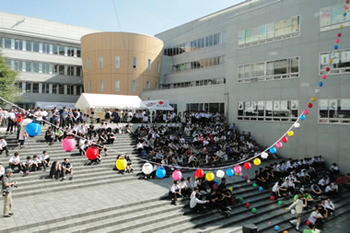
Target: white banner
x=50, y=105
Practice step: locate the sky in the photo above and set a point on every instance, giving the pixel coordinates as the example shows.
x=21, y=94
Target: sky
x=139, y=16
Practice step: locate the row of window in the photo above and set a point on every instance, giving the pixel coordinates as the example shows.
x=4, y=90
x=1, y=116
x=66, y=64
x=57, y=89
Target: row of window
x=268, y=32
x=335, y=111
x=207, y=62
x=269, y=70
x=117, y=63
x=269, y=110
x=206, y=107
x=44, y=68
x=340, y=62
x=117, y=85
x=39, y=47
x=213, y=81
x=49, y=88
x=208, y=41
x=331, y=16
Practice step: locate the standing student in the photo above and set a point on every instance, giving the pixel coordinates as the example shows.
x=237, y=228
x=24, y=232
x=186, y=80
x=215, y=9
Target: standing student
x=299, y=205
x=7, y=185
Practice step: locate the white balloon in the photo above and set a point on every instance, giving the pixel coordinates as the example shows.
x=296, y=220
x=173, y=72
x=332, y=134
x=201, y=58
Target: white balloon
x=220, y=173
x=264, y=155
x=296, y=124
x=292, y=211
x=147, y=168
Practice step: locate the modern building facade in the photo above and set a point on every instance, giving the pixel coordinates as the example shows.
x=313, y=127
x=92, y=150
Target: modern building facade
x=47, y=56
x=260, y=62
x=121, y=63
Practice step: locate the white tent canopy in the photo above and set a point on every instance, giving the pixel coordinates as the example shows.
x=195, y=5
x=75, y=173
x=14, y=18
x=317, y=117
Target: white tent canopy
x=103, y=101
x=154, y=105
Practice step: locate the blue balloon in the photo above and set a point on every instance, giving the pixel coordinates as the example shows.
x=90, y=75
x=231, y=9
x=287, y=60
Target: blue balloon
x=230, y=172
x=335, y=46
x=216, y=182
x=273, y=150
x=302, y=117
x=33, y=129
x=261, y=189
x=277, y=228
x=320, y=84
x=160, y=173
x=344, y=14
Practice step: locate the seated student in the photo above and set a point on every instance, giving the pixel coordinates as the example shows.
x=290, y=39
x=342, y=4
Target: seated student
x=83, y=147
x=45, y=160
x=129, y=167
x=222, y=185
x=48, y=135
x=59, y=135
x=322, y=208
x=185, y=190
x=331, y=189
x=3, y=146
x=276, y=189
x=316, y=191
x=334, y=170
x=175, y=192
x=285, y=188
x=316, y=219
x=37, y=164
x=260, y=179
x=67, y=167
x=101, y=147
x=110, y=136
x=103, y=138
x=15, y=161
x=308, y=200
x=329, y=205
x=196, y=204
x=55, y=170
x=27, y=165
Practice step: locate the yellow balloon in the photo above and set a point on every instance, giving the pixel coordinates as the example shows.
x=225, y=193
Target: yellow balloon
x=257, y=161
x=290, y=133
x=121, y=164
x=313, y=99
x=210, y=176
x=231, y=189
x=341, y=26
x=330, y=61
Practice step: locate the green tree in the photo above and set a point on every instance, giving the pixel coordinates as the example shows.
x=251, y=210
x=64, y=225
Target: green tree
x=7, y=78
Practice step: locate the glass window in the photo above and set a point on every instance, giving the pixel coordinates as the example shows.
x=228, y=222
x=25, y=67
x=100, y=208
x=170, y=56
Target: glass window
x=35, y=87
x=100, y=62
x=35, y=47
x=269, y=68
x=70, y=71
x=61, y=89
x=45, y=88
x=101, y=85
x=29, y=66
x=55, y=49
x=69, y=90
x=149, y=64
x=280, y=66
x=18, y=65
x=294, y=65
x=89, y=85
x=117, y=62
x=54, y=88
x=70, y=52
x=28, y=87
x=1, y=42
x=134, y=62
x=79, y=89
x=18, y=44
x=35, y=67
x=7, y=43
x=46, y=68
x=79, y=71
x=117, y=85
x=61, y=50
x=78, y=53
x=88, y=63
x=46, y=48
x=133, y=86
x=147, y=85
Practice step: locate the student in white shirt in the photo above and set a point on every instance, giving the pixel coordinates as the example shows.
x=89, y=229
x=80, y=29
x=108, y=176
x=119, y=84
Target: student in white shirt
x=195, y=203
x=14, y=162
x=174, y=192
x=329, y=206
x=3, y=146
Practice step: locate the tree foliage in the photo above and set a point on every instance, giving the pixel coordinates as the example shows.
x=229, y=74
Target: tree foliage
x=7, y=78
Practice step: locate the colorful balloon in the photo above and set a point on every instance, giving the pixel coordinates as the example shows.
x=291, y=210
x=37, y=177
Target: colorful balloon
x=257, y=161
x=92, y=152
x=261, y=189
x=285, y=231
x=280, y=202
x=238, y=169
x=230, y=172
x=284, y=139
x=255, y=185
x=68, y=144
x=310, y=105
x=161, y=172
x=254, y=210
x=290, y=133
x=247, y=204
x=121, y=164
x=199, y=173
x=272, y=198
x=313, y=99
x=273, y=150
x=33, y=129
x=19, y=119
x=279, y=144
x=296, y=124
x=210, y=176
x=246, y=177
x=336, y=46
x=306, y=111
x=247, y=165
x=220, y=173
x=324, y=76
x=337, y=40
x=264, y=155
x=277, y=228
x=302, y=117
x=328, y=69
x=177, y=175
x=147, y=168
x=308, y=222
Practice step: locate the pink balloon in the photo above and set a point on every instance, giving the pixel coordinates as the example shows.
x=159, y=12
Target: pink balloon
x=237, y=169
x=177, y=175
x=68, y=144
x=346, y=7
x=279, y=145
x=306, y=111
x=324, y=76
x=337, y=40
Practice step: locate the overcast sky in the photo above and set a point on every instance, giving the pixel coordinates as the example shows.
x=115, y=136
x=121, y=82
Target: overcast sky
x=140, y=16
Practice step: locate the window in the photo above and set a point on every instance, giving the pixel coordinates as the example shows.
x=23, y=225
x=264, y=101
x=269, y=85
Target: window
x=28, y=87
x=78, y=68
x=59, y=69
x=35, y=87
x=55, y=49
x=79, y=89
x=334, y=111
x=78, y=53
x=147, y=85
x=100, y=62
x=332, y=16
x=61, y=50
x=158, y=66
x=101, y=85
x=35, y=47
x=117, y=85
x=89, y=85
x=70, y=52
x=207, y=107
x=117, y=62
x=149, y=64
x=29, y=66
x=45, y=88
x=88, y=63
x=18, y=44
x=54, y=88
x=46, y=48
x=61, y=89
x=133, y=86
x=7, y=43
x=18, y=65
x=69, y=90
x=340, y=62
x=70, y=70
x=134, y=62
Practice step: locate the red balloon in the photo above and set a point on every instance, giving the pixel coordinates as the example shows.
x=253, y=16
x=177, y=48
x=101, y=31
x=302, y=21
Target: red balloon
x=347, y=1
x=92, y=152
x=19, y=120
x=161, y=102
x=247, y=204
x=246, y=177
x=199, y=173
x=339, y=34
x=272, y=198
x=310, y=105
x=308, y=222
x=247, y=165
x=328, y=69
x=284, y=139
